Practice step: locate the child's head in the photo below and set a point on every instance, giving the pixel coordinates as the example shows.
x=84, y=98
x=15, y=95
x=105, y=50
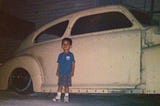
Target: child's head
x=66, y=44
x=69, y=40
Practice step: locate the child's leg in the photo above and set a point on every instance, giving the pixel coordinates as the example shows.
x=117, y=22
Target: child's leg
x=59, y=92
x=66, y=96
x=60, y=88
x=68, y=83
x=66, y=89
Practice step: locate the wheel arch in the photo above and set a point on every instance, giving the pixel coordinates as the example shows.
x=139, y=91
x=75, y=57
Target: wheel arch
x=26, y=62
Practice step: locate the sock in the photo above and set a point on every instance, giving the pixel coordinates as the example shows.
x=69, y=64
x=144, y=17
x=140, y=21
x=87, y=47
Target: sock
x=59, y=94
x=66, y=94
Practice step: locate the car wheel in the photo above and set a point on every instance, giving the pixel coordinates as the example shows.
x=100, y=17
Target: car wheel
x=20, y=81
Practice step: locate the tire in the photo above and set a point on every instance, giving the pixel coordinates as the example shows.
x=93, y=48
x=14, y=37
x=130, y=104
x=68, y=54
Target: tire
x=20, y=81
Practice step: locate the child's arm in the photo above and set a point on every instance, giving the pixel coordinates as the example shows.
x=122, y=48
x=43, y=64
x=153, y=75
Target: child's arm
x=73, y=67
x=57, y=73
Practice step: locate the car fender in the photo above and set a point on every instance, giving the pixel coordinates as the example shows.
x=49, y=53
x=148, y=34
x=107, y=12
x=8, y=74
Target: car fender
x=151, y=69
x=27, y=62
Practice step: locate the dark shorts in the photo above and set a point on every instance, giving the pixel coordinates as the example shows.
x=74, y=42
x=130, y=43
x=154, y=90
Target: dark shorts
x=64, y=80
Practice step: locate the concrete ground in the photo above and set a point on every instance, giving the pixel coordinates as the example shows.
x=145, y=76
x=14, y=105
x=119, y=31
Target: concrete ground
x=40, y=99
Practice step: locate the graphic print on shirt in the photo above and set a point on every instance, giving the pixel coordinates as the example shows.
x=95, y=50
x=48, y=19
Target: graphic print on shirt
x=67, y=57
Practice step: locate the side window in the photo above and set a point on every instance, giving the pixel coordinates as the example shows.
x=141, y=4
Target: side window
x=100, y=22
x=53, y=32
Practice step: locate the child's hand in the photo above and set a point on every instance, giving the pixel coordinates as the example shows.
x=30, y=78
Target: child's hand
x=57, y=73
x=72, y=74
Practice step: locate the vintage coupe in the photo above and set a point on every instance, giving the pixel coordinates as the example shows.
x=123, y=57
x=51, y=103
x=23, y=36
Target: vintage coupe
x=114, y=52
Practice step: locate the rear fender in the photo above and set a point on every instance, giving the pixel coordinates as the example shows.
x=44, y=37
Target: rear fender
x=151, y=69
x=27, y=62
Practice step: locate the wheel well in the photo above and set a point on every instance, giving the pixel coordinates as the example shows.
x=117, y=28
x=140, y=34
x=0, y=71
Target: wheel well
x=23, y=85
x=25, y=62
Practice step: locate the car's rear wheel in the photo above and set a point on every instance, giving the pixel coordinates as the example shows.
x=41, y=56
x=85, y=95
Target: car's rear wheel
x=20, y=81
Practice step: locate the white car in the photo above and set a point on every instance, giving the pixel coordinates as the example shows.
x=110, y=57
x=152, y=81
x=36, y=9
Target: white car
x=113, y=53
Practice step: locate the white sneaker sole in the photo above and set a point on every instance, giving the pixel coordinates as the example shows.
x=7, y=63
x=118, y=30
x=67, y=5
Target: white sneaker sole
x=56, y=100
x=66, y=101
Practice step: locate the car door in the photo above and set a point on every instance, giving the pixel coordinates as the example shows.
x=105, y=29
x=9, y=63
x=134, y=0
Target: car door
x=107, y=50
x=47, y=46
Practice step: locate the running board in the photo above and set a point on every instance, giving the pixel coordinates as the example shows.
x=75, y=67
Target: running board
x=110, y=88
x=121, y=88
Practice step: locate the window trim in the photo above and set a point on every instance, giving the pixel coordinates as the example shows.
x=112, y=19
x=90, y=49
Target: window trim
x=47, y=26
x=102, y=32
x=121, y=12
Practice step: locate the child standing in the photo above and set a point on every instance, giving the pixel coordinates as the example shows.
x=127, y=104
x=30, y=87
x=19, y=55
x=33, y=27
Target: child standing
x=65, y=70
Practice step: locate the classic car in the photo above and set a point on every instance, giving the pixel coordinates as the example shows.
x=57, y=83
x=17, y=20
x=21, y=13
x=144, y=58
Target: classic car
x=113, y=51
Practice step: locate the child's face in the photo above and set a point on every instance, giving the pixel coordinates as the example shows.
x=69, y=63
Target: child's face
x=66, y=46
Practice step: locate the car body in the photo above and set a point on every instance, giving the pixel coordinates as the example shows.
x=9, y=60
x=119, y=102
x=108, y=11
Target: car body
x=113, y=51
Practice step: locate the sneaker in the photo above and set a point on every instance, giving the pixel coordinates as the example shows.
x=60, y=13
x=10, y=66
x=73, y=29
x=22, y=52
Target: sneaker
x=66, y=99
x=57, y=98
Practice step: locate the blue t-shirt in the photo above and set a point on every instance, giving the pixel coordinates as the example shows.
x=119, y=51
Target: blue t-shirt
x=65, y=63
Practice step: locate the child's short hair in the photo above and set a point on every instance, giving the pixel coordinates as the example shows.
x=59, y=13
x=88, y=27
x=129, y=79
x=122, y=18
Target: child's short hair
x=67, y=39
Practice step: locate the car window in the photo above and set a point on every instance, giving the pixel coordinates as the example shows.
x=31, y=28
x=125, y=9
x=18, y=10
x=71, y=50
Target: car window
x=53, y=32
x=100, y=22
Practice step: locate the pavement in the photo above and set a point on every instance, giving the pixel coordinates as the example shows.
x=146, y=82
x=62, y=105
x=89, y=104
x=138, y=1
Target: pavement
x=8, y=98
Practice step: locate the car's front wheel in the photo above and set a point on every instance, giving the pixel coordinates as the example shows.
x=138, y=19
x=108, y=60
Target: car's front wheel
x=20, y=81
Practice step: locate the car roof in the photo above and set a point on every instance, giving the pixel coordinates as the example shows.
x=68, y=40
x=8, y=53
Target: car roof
x=28, y=42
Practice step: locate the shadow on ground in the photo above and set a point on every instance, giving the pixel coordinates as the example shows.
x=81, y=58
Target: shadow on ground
x=8, y=98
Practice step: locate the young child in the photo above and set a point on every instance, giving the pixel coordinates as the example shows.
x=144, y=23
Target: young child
x=65, y=70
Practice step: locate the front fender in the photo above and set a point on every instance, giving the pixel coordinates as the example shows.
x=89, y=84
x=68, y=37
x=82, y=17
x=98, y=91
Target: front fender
x=27, y=62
